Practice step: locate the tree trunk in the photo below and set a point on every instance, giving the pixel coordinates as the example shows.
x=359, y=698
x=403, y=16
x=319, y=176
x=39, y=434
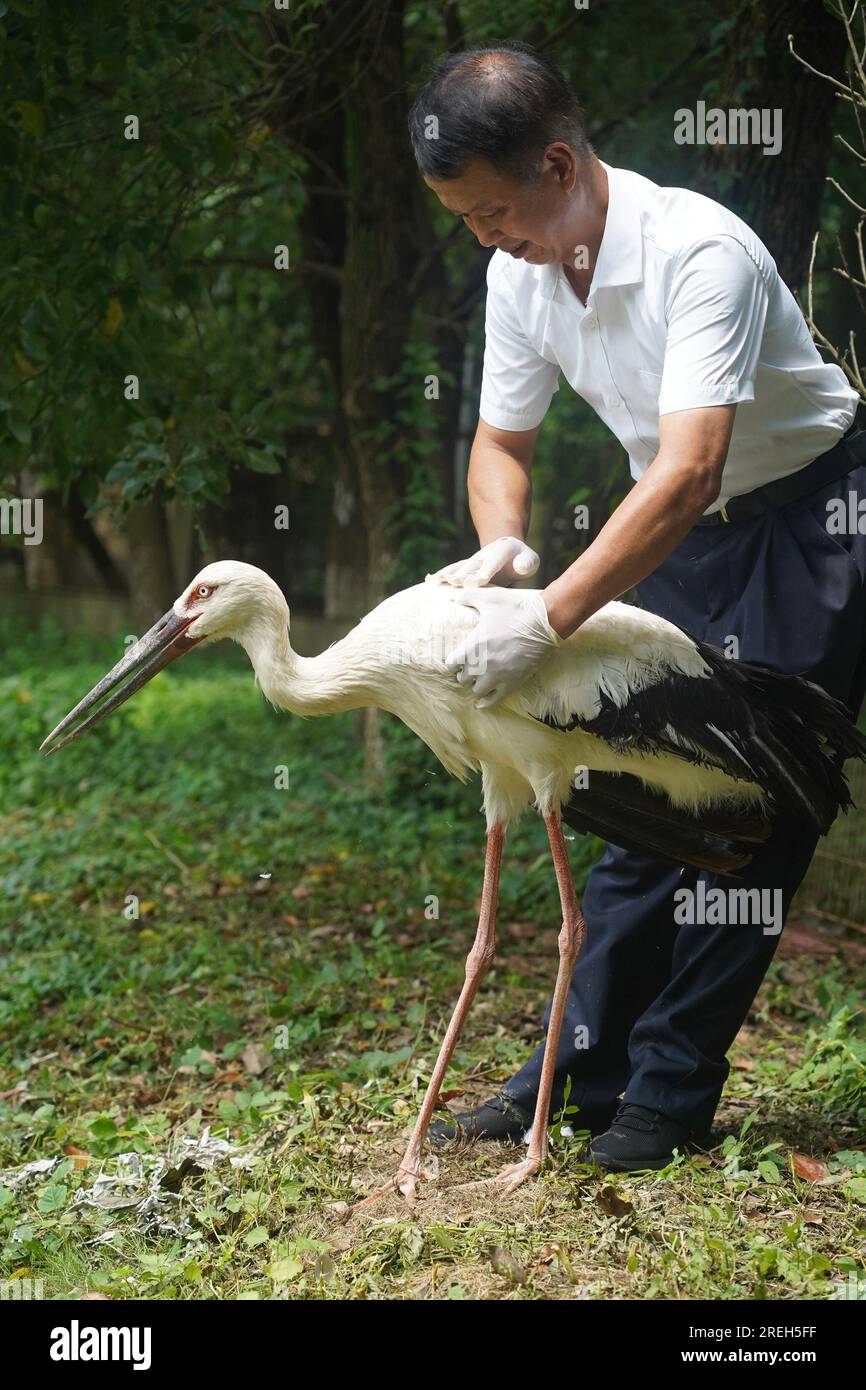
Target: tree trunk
x=346, y=559
x=778, y=195
x=152, y=584
x=375, y=312
x=311, y=117
x=92, y=544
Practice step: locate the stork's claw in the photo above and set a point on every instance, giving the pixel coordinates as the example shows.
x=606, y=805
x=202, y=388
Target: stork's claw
x=405, y=1181
x=510, y=1177
x=373, y=1197
x=516, y=1173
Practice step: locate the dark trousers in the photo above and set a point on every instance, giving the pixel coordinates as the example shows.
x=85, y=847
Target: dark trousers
x=655, y=1004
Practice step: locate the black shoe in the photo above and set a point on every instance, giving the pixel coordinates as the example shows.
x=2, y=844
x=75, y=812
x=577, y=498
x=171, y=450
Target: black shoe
x=500, y=1118
x=506, y=1120
x=640, y=1138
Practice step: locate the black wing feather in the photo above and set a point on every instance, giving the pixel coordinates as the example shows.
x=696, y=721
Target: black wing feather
x=780, y=731
x=621, y=809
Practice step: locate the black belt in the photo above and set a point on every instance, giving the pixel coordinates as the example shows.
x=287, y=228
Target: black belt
x=826, y=468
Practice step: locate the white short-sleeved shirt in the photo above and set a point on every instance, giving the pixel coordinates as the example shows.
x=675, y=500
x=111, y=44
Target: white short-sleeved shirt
x=686, y=309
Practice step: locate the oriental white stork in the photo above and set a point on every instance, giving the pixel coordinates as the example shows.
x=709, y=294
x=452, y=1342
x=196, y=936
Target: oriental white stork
x=631, y=729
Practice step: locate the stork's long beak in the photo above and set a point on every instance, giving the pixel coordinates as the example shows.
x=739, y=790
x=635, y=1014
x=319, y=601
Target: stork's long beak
x=165, y=642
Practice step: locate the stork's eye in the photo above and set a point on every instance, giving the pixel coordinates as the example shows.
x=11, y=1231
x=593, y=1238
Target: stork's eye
x=204, y=591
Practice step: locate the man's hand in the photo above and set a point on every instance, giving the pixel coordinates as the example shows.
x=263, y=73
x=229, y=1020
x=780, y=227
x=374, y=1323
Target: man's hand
x=503, y=561
x=512, y=637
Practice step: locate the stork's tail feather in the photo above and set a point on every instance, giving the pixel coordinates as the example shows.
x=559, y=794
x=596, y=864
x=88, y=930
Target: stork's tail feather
x=621, y=809
x=797, y=738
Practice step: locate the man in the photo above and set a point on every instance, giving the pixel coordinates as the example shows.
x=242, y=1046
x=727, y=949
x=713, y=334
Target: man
x=666, y=313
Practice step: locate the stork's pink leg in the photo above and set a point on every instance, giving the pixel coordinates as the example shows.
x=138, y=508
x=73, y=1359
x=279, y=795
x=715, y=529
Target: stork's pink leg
x=571, y=938
x=478, y=962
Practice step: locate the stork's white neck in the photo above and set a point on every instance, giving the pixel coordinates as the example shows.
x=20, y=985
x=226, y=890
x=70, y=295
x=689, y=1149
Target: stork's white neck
x=325, y=684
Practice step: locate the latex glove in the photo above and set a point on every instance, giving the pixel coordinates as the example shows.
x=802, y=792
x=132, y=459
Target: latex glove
x=504, y=560
x=511, y=638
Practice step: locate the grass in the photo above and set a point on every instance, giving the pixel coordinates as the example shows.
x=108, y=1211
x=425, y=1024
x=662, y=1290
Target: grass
x=221, y=997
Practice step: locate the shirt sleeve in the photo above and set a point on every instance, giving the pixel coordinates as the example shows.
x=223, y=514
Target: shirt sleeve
x=518, y=384
x=716, y=310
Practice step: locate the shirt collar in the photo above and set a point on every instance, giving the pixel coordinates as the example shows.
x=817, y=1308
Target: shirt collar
x=620, y=256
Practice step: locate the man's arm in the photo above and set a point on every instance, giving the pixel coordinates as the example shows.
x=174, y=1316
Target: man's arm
x=683, y=480
x=517, y=628
x=500, y=481
x=500, y=495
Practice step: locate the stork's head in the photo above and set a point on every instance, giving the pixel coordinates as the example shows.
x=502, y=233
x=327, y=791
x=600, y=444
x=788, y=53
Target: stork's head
x=226, y=599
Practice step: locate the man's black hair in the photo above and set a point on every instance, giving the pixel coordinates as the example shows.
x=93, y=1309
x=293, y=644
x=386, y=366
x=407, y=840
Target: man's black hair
x=504, y=103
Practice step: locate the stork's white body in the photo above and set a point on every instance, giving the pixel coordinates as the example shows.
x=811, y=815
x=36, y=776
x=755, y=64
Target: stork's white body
x=394, y=660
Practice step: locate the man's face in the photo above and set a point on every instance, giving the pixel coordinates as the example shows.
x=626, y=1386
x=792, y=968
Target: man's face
x=526, y=220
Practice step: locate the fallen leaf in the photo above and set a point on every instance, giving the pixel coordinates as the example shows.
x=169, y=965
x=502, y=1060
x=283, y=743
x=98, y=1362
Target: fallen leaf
x=809, y=1168
x=323, y=1267
x=504, y=1264
x=255, y=1059
x=610, y=1202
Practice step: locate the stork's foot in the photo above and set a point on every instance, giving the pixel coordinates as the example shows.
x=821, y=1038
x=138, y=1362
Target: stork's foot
x=510, y=1177
x=513, y=1174
x=405, y=1181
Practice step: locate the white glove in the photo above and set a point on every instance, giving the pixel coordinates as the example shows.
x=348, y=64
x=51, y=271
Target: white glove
x=504, y=560
x=511, y=638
